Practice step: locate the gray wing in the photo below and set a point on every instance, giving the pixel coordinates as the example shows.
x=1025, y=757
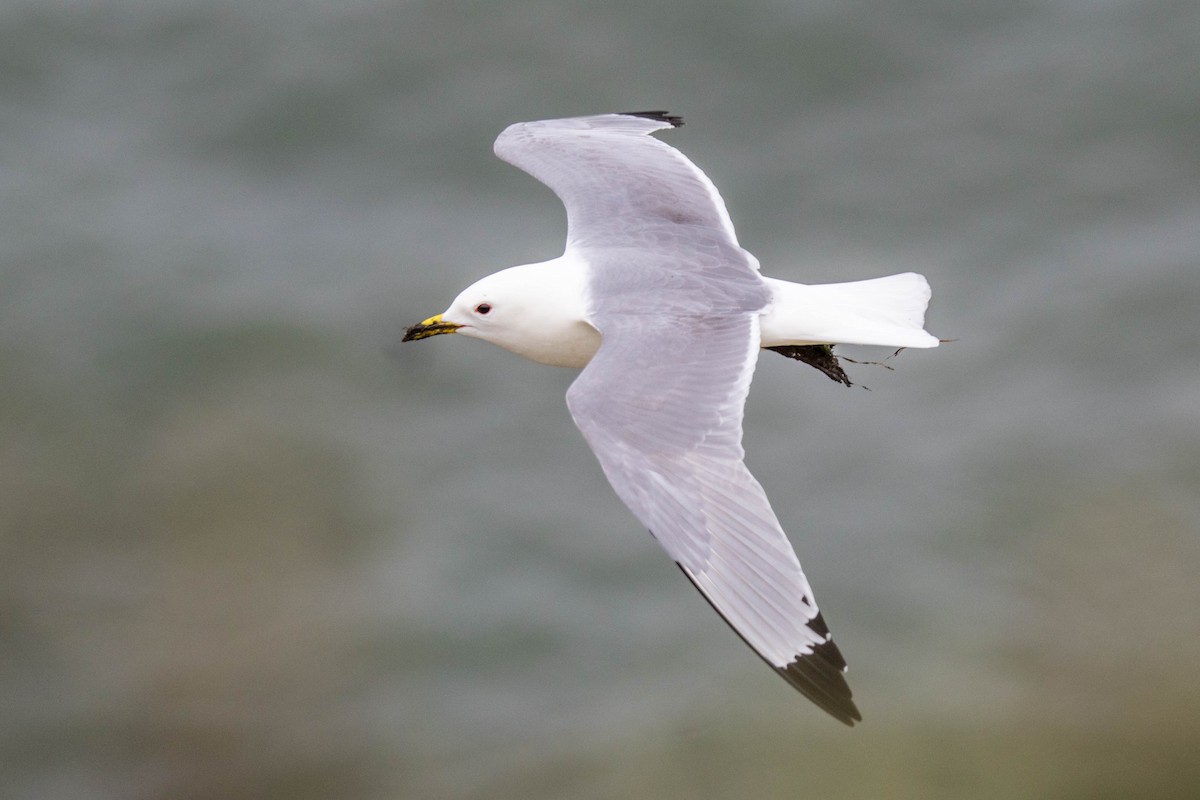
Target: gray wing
x=614, y=179
x=676, y=301
x=661, y=406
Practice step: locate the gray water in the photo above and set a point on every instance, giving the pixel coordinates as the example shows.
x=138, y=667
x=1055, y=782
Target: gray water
x=251, y=547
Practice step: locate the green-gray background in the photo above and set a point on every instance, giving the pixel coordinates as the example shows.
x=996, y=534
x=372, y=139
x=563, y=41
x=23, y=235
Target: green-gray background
x=251, y=548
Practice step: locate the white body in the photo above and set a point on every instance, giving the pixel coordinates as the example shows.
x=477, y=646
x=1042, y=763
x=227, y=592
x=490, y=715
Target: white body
x=539, y=311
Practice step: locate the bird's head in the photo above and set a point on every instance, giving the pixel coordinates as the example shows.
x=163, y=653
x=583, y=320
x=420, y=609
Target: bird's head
x=534, y=310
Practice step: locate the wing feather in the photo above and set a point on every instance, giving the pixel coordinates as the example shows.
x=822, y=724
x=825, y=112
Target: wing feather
x=677, y=304
x=613, y=177
x=668, y=436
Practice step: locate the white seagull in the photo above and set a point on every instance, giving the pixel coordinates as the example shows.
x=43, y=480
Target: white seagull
x=665, y=312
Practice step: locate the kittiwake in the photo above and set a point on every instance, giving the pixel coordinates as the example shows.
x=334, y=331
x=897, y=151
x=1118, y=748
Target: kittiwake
x=666, y=313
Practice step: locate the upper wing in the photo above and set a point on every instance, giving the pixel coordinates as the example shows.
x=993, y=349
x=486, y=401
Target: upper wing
x=613, y=178
x=676, y=301
x=661, y=405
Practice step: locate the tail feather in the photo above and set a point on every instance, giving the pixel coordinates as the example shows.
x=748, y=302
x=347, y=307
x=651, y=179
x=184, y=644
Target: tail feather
x=887, y=311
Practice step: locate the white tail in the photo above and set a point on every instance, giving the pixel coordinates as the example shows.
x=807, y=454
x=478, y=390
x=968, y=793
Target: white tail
x=887, y=311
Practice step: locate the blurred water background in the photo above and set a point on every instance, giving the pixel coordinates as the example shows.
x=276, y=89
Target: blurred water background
x=251, y=548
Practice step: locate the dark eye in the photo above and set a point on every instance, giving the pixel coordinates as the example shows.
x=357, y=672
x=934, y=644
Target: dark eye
x=483, y=308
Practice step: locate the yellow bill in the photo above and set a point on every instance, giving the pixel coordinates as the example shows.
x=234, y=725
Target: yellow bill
x=433, y=326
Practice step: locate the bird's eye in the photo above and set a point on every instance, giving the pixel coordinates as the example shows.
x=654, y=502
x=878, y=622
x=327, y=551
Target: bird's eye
x=483, y=309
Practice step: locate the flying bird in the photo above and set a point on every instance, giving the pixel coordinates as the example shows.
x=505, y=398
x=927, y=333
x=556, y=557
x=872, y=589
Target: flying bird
x=665, y=313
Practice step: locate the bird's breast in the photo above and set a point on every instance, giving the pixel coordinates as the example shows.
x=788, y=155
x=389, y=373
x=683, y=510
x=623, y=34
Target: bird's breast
x=571, y=345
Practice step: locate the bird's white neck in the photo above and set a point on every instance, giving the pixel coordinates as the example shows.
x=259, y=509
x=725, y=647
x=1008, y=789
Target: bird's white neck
x=551, y=326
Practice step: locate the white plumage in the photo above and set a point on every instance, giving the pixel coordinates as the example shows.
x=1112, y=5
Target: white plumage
x=666, y=313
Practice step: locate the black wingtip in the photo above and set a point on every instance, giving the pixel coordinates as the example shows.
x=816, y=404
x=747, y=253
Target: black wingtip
x=819, y=675
x=657, y=116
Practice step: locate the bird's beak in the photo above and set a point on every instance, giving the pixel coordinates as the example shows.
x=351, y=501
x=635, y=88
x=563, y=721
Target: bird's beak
x=430, y=327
